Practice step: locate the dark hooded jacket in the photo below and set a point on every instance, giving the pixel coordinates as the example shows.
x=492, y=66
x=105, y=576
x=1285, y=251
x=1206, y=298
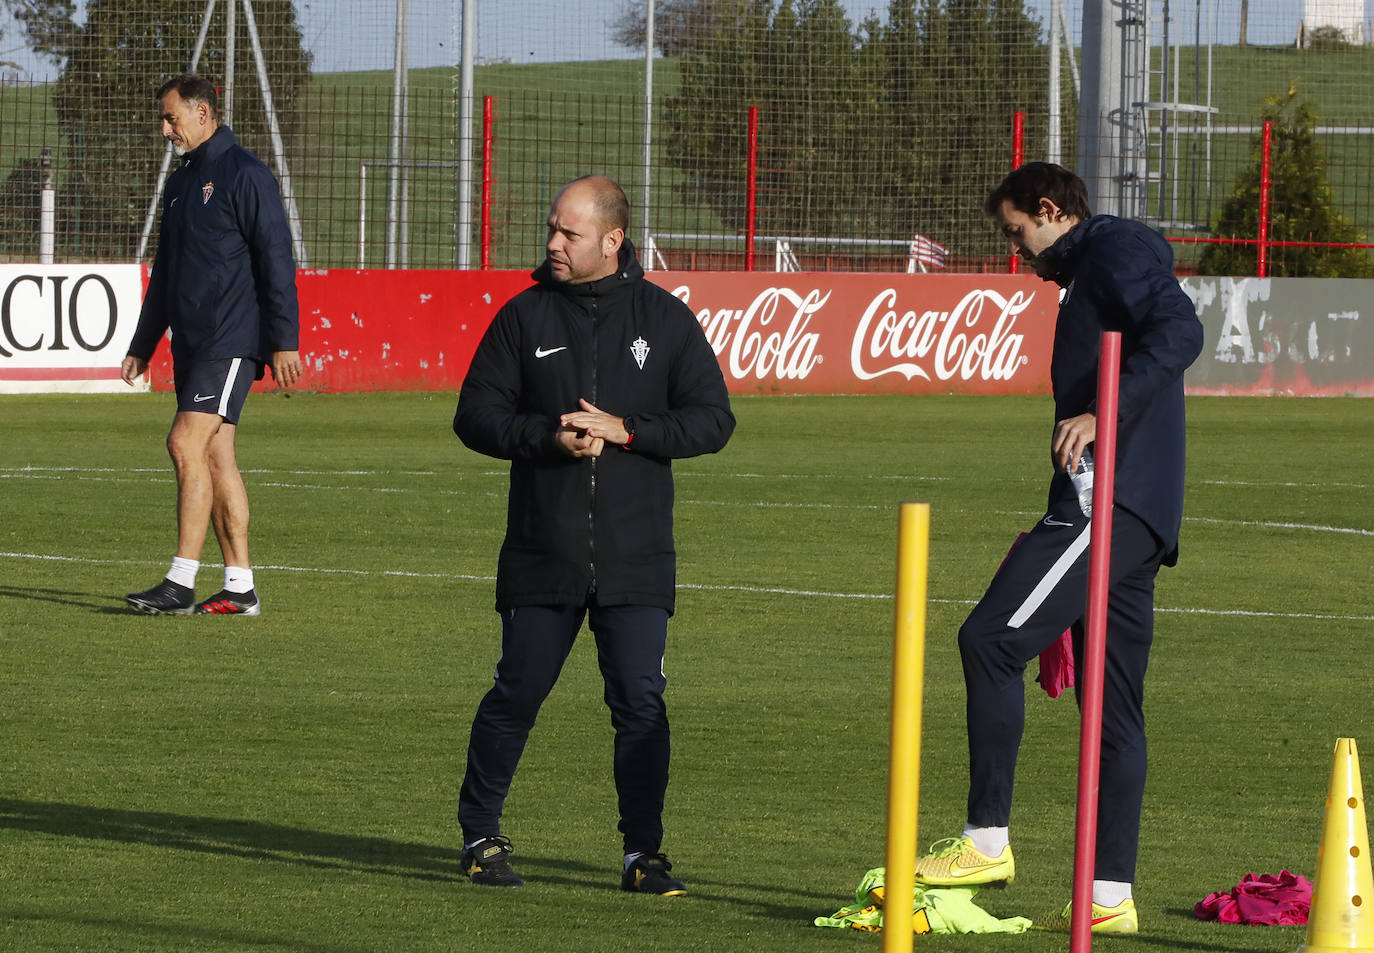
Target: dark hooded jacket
x=1118, y=276
x=600, y=529
x=223, y=279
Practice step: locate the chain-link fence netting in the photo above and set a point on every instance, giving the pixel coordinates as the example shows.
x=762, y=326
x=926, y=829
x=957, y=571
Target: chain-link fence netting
x=836, y=133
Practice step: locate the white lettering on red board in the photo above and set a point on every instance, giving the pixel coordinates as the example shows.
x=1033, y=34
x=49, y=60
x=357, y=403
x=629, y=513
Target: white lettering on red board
x=772, y=336
x=975, y=339
x=769, y=338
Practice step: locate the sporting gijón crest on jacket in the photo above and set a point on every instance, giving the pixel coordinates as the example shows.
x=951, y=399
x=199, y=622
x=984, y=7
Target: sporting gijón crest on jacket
x=224, y=279
x=592, y=526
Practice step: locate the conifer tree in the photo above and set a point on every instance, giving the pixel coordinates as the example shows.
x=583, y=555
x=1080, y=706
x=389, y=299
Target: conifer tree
x=1301, y=207
x=113, y=64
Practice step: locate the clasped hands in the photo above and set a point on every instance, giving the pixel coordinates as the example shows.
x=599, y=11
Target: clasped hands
x=585, y=432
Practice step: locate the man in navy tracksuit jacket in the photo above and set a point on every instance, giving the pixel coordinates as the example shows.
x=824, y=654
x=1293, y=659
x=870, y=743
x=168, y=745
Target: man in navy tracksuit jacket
x=590, y=383
x=224, y=282
x=1117, y=275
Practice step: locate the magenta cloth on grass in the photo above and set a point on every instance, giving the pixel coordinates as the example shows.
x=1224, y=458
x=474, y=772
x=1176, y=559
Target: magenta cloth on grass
x=1056, y=662
x=1263, y=899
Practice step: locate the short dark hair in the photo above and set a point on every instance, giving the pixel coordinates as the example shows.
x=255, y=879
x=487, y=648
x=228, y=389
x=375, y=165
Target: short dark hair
x=1026, y=186
x=192, y=88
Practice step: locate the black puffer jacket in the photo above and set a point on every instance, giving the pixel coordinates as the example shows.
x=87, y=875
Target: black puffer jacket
x=223, y=279
x=592, y=528
x=1118, y=275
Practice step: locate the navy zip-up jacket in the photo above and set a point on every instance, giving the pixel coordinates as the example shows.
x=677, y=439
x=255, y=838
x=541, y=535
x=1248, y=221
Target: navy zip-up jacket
x=1118, y=276
x=223, y=279
x=592, y=527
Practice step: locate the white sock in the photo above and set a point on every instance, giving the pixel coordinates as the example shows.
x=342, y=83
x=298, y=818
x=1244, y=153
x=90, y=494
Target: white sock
x=1110, y=893
x=183, y=571
x=989, y=840
x=631, y=858
x=237, y=579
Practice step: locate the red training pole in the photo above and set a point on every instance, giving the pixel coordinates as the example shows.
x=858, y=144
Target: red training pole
x=751, y=188
x=488, y=124
x=1265, y=142
x=1018, y=154
x=1095, y=642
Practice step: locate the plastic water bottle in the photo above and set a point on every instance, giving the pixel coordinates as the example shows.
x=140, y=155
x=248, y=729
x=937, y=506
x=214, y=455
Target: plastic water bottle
x=1082, y=480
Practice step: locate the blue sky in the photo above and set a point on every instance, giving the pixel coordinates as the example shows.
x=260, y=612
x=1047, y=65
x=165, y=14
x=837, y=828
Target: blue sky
x=359, y=34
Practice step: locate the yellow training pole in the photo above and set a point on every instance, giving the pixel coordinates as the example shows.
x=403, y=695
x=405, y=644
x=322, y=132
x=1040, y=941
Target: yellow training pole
x=904, y=757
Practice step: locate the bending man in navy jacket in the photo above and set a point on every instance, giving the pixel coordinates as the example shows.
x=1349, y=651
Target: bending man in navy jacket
x=1117, y=275
x=224, y=281
x=590, y=383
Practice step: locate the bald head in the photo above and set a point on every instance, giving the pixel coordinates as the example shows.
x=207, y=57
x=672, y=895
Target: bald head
x=587, y=225
x=608, y=202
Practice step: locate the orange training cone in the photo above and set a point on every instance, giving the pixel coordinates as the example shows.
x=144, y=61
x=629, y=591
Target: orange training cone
x=1342, y=917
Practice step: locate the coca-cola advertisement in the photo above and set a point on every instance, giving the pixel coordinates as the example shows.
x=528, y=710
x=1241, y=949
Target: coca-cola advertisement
x=773, y=333
x=859, y=334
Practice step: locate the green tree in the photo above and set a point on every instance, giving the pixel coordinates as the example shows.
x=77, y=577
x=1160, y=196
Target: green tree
x=1301, y=208
x=856, y=134
x=113, y=66
x=679, y=25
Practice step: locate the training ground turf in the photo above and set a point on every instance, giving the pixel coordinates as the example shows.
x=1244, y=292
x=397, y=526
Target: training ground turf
x=288, y=782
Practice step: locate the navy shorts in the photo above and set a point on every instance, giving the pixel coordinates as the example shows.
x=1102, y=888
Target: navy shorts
x=215, y=387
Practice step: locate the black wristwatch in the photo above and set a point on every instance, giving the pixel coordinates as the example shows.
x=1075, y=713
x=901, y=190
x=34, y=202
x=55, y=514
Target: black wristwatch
x=629, y=429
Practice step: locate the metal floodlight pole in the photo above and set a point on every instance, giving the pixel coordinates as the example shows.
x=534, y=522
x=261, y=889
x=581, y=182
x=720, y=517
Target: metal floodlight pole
x=293, y=214
x=1095, y=642
x=47, y=210
x=648, y=117
x=463, y=217
x=398, y=109
x=167, y=152
x=230, y=34
x=1052, y=150
x=1099, y=107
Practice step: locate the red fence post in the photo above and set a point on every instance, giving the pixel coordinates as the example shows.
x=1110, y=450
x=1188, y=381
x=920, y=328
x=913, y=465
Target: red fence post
x=488, y=123
x=1263, y=269
x=1018, y=152
x=751, y=188
x=1095, y=642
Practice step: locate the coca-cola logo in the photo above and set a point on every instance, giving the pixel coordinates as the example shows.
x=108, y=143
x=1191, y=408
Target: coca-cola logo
x=780, y=335
x=769, y=338
x=976, y=338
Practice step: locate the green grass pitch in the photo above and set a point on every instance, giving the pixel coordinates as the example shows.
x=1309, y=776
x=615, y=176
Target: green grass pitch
x=289, y=782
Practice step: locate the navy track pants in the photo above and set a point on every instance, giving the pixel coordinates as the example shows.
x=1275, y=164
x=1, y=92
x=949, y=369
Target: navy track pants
x=535, y=642
x=1039, y=592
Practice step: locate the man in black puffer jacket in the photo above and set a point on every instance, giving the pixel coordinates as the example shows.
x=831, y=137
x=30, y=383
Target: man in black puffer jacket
x=590, y=383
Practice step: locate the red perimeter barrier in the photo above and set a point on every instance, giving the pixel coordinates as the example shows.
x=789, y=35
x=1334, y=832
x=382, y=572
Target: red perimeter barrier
x=773, y=333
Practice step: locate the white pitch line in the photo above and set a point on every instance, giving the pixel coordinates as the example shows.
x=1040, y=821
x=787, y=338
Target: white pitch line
x=1303, y=486
x=1277, y=525
x=168, y=471
x=698, y=587
x=681, y=472
x=52, y=473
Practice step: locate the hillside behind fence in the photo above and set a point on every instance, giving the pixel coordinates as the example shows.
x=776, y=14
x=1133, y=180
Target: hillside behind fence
x=873, y=125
